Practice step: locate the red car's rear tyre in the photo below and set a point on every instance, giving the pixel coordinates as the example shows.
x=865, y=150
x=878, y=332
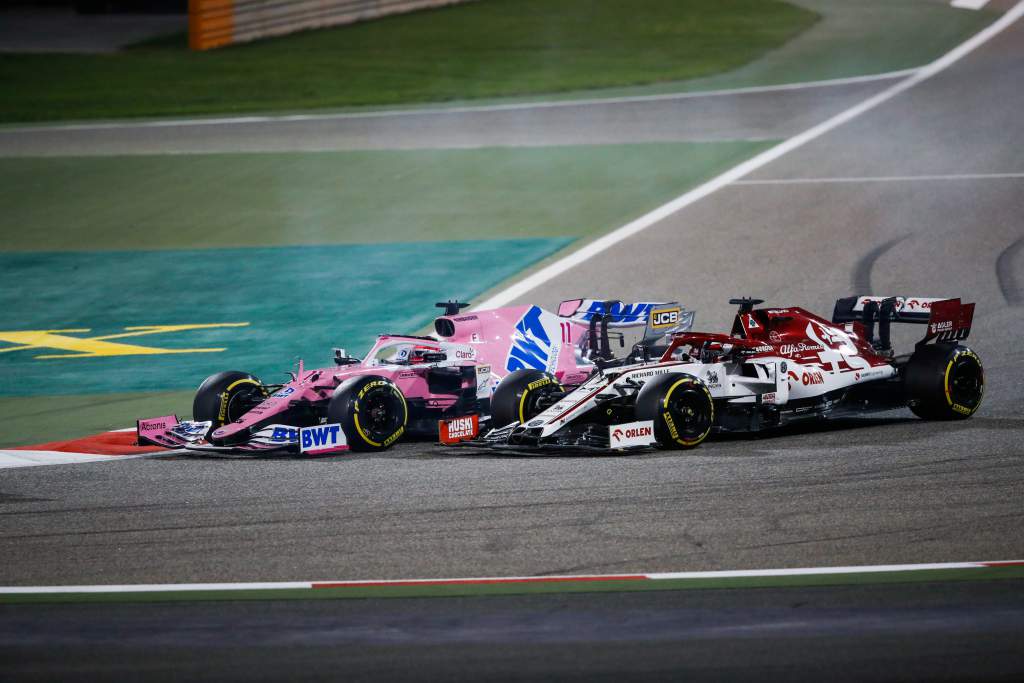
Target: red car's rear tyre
x=944, y=382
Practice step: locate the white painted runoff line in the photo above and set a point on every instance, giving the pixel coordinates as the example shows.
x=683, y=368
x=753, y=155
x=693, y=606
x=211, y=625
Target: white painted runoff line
x=468, y=109
x=880, y=179
x=152, y=588
x=10, y=459
x=583, y=578
x=588, y=251
x=820, y=571
x=969, y=4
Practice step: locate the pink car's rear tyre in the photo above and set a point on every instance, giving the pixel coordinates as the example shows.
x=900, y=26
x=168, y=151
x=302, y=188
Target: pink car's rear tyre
x=371, y=411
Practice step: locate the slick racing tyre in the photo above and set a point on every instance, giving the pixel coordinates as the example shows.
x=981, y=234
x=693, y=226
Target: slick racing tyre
x=681, y=408
x=226, y=396
x=522, y=395
x=944, y=382
x=371, y=411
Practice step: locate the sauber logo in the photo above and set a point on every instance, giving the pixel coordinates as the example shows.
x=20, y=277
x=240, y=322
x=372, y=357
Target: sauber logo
x=458, y=429
x=631, y=434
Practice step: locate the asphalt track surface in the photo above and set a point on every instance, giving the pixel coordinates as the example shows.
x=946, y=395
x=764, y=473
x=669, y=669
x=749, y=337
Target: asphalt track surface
x=727, y=115
x=958, y=632
x=885, y=490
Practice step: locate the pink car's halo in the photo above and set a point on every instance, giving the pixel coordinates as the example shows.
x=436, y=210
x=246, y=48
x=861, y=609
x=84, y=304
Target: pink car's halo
x=405, y=384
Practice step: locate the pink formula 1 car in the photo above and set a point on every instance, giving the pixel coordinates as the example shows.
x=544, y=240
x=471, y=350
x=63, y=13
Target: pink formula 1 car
x=409, y=384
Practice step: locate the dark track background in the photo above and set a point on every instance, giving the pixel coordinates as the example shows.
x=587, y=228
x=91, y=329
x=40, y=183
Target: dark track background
x=879, y=491
x=893, y=489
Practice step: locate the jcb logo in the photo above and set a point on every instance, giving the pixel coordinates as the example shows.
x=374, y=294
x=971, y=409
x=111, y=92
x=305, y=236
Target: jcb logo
x=665, y=317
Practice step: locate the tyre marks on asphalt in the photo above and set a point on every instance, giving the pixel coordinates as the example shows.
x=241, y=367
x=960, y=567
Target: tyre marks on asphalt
x=553, y=275
x=1009, y=280
x=862, y=270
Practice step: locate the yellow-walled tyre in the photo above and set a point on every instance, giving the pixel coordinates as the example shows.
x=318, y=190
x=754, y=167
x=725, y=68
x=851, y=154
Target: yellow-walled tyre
x=521, y=396
x=226, y=396
x=371, y=411
x=680, y=407
x=944, y=382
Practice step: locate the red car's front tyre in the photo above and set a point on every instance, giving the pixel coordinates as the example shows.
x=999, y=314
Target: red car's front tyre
x=680, y=407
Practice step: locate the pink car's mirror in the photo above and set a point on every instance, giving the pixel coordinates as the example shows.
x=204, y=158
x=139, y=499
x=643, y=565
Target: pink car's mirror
x=567, y=308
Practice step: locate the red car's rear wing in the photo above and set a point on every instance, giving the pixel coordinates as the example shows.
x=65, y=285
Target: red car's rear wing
x=950, y=320
x=947, y=319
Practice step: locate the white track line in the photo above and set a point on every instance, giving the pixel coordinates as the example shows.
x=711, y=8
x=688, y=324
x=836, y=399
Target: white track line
x=879, y=179
x=470, y=109
x=969, y=4
x=153, y=587
x=11, y=459
x=660, y=576
x=599, y=245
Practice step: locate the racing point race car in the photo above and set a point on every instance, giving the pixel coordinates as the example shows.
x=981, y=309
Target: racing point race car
x=777, y=366
x=404, y=385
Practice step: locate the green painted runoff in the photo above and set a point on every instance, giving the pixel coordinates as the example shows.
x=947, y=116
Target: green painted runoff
x=261, y=308
x=265, y=199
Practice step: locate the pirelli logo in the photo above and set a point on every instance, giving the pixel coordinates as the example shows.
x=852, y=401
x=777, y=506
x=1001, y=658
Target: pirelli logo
x=665, y=317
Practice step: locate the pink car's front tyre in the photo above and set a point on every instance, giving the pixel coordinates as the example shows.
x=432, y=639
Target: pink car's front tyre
x=226, y=396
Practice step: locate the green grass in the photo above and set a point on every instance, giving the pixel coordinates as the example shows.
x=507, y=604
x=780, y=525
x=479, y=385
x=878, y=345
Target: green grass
x=41, y=419
x=273, y=199
x=851, y=39
x=483, y=49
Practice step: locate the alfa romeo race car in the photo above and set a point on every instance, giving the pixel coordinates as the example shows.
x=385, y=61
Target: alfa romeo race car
x=404, y=385
x=777, y=366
